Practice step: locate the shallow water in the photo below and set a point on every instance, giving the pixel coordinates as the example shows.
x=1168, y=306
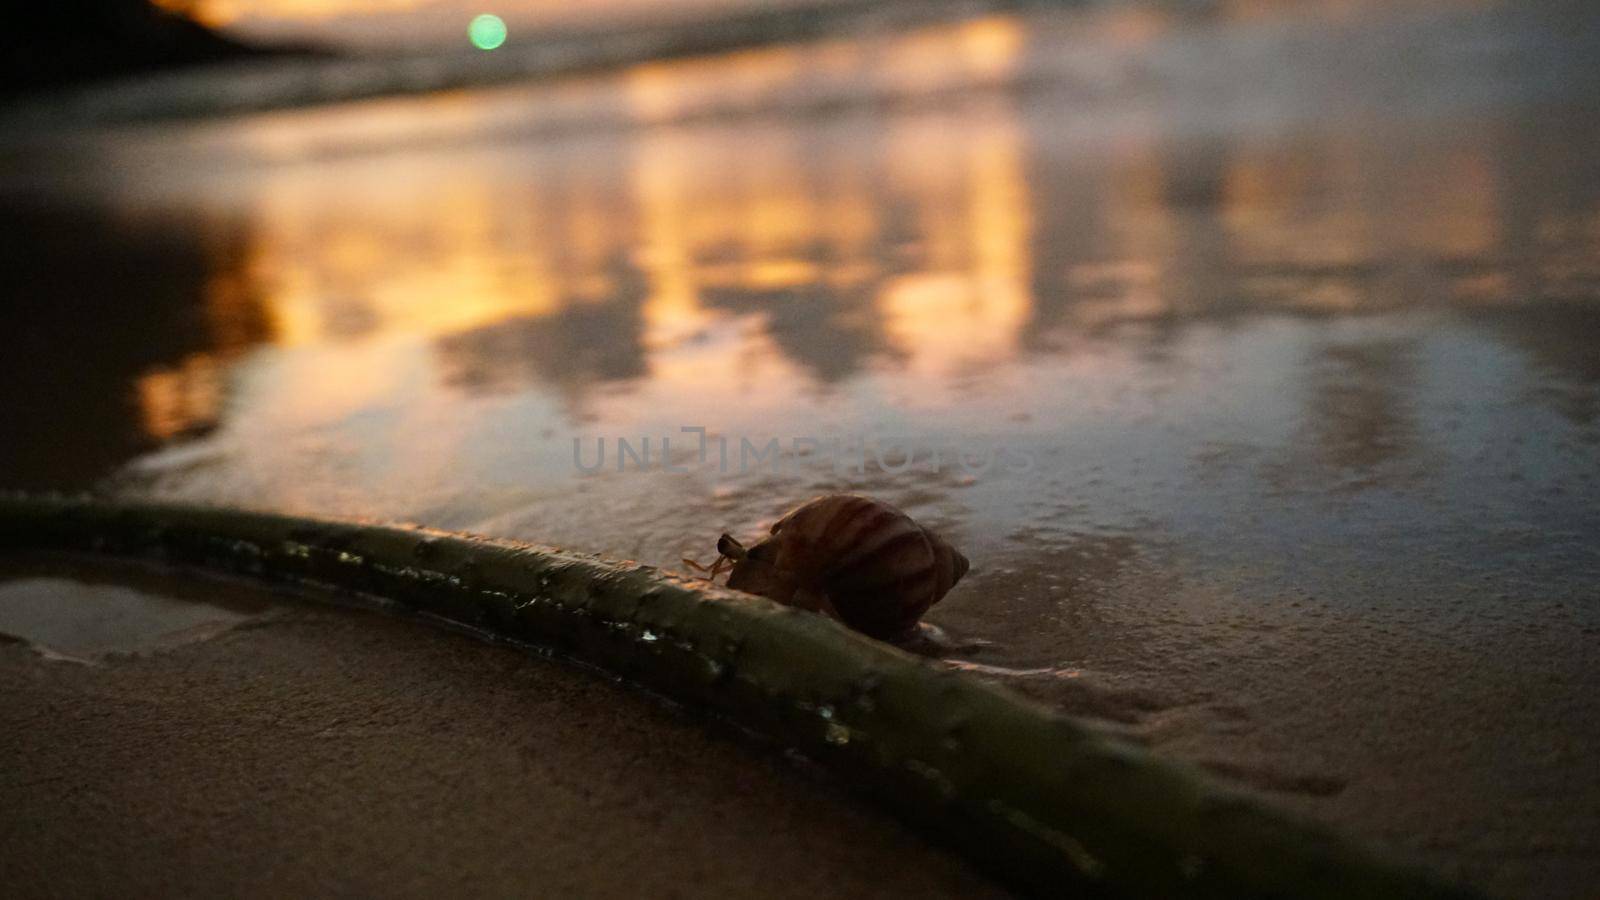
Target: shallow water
x=1291, y=388
x=71, y=611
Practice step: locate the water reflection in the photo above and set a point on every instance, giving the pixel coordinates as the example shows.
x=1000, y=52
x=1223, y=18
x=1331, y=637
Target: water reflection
x=958, y=246
x=589, y=340
x=120, y=334
x=790, y=243
x=1359, y=416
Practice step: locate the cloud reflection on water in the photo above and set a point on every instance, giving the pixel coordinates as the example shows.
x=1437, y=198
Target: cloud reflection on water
x=937, y=256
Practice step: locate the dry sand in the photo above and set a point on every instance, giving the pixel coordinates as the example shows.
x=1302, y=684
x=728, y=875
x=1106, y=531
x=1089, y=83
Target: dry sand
x=322, y=751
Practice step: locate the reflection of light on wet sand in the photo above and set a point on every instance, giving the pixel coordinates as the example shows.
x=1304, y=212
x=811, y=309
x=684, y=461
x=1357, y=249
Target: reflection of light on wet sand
x=743, y=379
x=187, y=397
x=180, y=399
x=443, y=262
x=673, y=310
x=970, y=302
x=944, y=322
x=719, y=223
x=1142, y=232
x=1000, y=221
x=794, y=234
x=737, y=222
x=662, y=91
x=1317, y=222
x=908, y=236
x=927, y=60
x=970, y=52
x=735, y=233
x=1310, y=227
x=322, y=384
x=1305, y=210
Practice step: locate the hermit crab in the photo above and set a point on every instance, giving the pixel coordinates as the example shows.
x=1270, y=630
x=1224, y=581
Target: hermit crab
x=853, y=558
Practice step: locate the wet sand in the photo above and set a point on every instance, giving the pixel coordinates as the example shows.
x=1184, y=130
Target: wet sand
x=321, y=751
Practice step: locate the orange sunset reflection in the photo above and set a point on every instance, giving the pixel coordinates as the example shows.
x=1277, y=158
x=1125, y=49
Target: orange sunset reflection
x=903, y=239
x=705, y=258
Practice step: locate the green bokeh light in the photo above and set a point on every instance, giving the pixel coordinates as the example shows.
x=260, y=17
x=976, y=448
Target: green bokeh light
x=487, y=31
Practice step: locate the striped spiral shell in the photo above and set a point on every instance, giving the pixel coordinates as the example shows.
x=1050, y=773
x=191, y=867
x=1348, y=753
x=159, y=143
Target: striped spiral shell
x=876, y=568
